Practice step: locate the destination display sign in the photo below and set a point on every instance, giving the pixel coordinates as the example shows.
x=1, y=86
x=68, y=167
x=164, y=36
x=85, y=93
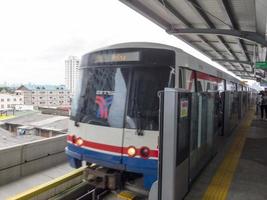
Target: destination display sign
x=116, y=57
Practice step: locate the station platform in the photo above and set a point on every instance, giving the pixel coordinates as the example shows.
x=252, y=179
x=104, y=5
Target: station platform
x=33, y=180
x=239, y=170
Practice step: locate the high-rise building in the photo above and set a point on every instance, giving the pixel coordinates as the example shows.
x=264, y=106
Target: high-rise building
x=72, y=72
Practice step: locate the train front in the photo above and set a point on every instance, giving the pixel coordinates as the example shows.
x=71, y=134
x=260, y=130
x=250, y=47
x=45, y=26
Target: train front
x=114, y=118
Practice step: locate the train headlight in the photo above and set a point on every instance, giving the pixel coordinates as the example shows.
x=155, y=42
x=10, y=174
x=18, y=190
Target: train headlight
x=144, y=152
x=79, y=141
x=131, y=151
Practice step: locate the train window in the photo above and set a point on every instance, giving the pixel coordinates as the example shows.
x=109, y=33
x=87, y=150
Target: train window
x=199, y=86
x=143, y=103
x=208, y=86
x=181, y=85
x=102, y=97
x=187, y=79
x=221, y=86
x=206, y=82
x=239, y=87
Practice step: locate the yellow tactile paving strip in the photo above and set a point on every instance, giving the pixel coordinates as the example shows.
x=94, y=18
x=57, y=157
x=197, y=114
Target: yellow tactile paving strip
x=221, y=181
x=126, y=195
x=4, y=117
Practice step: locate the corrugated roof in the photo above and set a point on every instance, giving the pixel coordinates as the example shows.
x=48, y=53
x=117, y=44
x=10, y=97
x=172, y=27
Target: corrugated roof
x=232, y=32
x=8, y=140
x=38, y=120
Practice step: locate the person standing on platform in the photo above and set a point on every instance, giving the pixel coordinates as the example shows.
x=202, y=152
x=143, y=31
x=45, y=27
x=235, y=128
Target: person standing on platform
x=258, y=103
x=264, y=105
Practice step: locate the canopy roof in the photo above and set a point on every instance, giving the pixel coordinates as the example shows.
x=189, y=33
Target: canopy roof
x=231, y=32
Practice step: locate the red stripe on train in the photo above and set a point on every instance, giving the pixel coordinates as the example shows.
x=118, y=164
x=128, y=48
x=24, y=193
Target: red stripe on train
x=111, y=148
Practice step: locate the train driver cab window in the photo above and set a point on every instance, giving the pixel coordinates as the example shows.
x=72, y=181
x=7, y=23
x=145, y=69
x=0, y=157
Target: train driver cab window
x=101, y=96
x=143, y=102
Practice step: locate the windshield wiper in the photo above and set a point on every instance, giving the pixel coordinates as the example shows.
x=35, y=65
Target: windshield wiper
x=139, y=129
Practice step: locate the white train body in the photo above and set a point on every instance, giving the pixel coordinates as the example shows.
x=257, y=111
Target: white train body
x=114, y=120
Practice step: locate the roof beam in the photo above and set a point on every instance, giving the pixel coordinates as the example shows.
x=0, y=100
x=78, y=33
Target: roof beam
x=234, y=70
x=211, y=41
x=230, y=15
x=234, y=24
x=247, y=35
x=211, y=26
x=188, y=24
x=248, y=77
x=224, y=52
x=171, y=9
x=232, y=61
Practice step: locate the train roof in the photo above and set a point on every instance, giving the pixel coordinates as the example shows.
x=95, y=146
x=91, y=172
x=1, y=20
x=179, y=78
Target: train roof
x=182, y=58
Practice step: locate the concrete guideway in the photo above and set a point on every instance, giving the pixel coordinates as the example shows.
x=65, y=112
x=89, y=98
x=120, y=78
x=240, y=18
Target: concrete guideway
x=28, y=158
x=27, y=182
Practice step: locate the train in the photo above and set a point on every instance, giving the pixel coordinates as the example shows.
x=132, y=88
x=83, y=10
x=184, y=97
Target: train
x=114, y=121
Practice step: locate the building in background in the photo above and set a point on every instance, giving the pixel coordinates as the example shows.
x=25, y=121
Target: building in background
x=8, y=101
x=36, y=124
x=26, y=93
x=45, y=95
x=72, y=73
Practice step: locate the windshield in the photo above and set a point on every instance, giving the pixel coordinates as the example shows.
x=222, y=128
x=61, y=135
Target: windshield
x=102, y=95
x=143, y=104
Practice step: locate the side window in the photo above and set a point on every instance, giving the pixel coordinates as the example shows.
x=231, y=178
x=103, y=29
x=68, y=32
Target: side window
x=180, y=78
x=208, y=86
x=187, y=79
x=190, y=80
x=206, y=82
x=199, y=86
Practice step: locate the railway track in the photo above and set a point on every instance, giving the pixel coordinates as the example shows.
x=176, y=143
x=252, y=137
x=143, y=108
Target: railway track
x=73, y=186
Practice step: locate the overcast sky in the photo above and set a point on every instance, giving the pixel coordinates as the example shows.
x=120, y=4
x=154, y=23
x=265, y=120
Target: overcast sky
x=37, y=36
